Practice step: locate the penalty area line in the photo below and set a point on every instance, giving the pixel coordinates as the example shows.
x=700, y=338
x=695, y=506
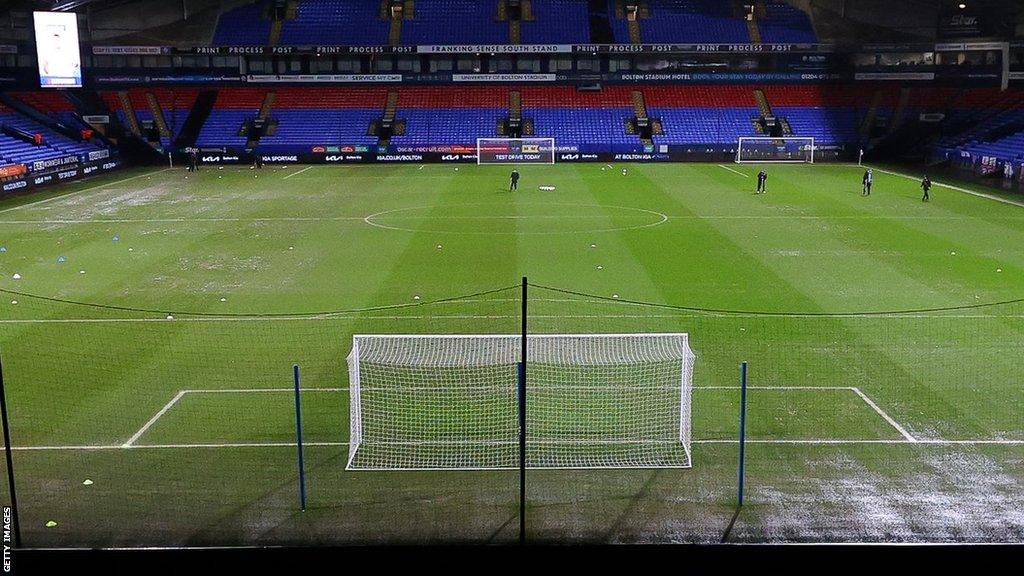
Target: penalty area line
x=723, y=166
x=903, y=432
x=181, y=393
x=141, y=431
x=297, y=173
x=772, y=441
x=956, y=188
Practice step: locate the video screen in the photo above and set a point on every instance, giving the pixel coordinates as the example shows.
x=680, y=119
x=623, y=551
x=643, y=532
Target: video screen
x=60, y=63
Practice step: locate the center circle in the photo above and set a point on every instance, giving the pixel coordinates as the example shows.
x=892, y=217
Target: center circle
x=516, y=219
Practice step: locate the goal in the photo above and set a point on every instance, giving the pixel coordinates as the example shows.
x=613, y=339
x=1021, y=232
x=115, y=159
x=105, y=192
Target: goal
x=451, y=402
x=782, y=149
x=515, y=151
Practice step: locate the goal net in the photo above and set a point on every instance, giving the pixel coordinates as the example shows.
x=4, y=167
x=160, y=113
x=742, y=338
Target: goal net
x=515, y=151
x=783, y=149
x=451, y=402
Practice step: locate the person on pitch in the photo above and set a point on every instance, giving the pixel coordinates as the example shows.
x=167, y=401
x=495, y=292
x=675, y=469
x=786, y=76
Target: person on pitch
x=513, y=181
x=762, y=182
x=867, y=182
x=926, y=185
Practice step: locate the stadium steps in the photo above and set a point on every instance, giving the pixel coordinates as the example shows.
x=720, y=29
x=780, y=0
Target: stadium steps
x=634, y=32
x=872, y=113
x=395, y=32
x=267, y=105
x=264, y=114
x=632, y=24
x=129, y=113
x=391, y=105
x=502, y=15
x=190, y=128
x=515, y=105
x=395, y=17
x=291, y=10
x=639, y=107
x=275, y=32
x=390, y=109
x=526, y=8
x=158, y=115
x=758, y=127
x=762, y=103
x=514, y=32
x=409, y=12
x=753, y=30
x=901, y=108
x=88, y=102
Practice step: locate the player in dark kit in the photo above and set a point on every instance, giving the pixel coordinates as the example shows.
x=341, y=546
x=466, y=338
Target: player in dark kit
x=762, y=182
x=513, y=181
x=926, y=184
x=193, y=162
x=867, y=182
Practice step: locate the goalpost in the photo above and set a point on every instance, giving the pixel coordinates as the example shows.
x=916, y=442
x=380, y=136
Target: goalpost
x=425, y=402
x=782, y=149
x=515, y=150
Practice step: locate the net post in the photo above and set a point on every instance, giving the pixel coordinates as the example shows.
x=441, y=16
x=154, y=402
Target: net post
x=16, y=527
x=298, y=440
x=743, y=432
x=522, y=423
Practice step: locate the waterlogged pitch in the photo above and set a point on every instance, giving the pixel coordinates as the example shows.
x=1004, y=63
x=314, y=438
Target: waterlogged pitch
x=149, y=325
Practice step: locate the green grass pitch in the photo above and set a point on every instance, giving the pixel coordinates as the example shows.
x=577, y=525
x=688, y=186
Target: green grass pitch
x=171, y=392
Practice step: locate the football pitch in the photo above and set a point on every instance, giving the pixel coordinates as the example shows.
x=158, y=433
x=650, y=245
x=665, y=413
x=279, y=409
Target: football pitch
x=150, y=320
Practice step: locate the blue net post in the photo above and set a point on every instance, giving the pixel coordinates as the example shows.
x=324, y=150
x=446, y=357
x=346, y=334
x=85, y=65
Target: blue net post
x=521, y=373
x=298, y=440
x=743, y=431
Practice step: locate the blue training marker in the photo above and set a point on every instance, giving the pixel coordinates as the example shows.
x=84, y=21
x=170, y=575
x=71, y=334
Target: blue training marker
x=116, y=237
x=61, y=259
x=3, y=248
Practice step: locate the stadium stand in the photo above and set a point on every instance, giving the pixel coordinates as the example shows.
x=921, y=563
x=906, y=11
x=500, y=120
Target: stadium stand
x=317, y=116
x=702, y=114
x=243, y=26
x=53, y=104
x=561, y=21
x=343, y=22
x=436, y=116
x=450, y=115
x=340, y=22
x=784, y=23
x=455, y=22
x=586, y=119
x=689, y=21
x=14, y=150
x=234, y=106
